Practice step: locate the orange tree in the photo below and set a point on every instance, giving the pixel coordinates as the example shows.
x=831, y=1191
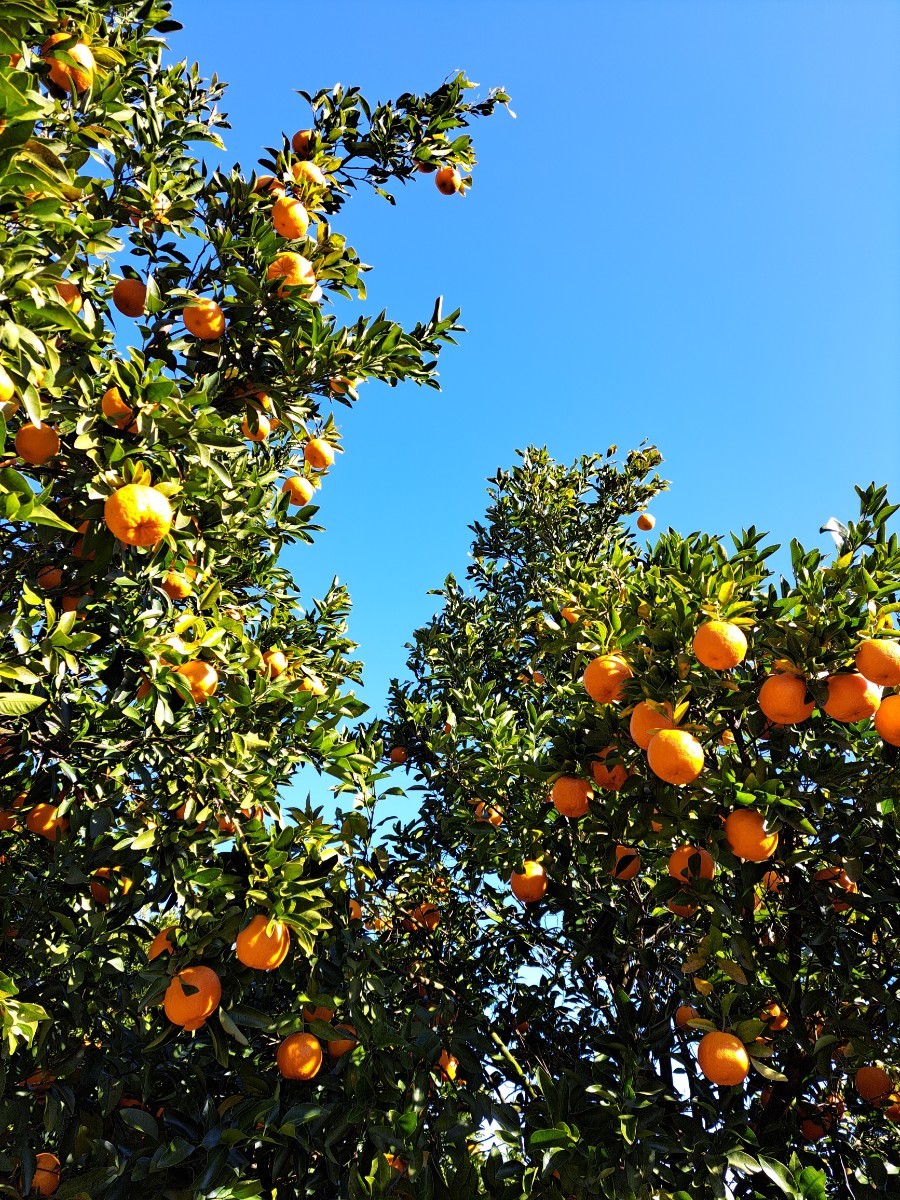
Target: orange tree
x=168, y=366
x=663, y=782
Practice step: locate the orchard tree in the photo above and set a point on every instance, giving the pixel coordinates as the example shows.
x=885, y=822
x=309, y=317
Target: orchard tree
x=178, y=951
x=663, y=781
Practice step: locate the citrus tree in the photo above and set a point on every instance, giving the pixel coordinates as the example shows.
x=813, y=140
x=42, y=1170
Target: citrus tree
x=662, y=779
x=177, y=948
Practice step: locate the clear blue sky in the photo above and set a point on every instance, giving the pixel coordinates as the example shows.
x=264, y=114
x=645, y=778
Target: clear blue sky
x=690, y=234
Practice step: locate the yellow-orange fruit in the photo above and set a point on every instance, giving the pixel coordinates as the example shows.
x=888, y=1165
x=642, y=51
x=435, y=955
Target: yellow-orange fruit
x=782, y=698
x=447, y=1065
x=340, y=1046
x=300, y=142
x=645, y=522
x=263, y=944
x=47, y=1174
x=627, y=864
x=7, y=388
x=611, y=778
x=190, y=1010
x=683, y=1014
x=681, y=908
x=299, y=1056
x=100, y=889
x=681, y=866
x=262, y=430
x=306, y=172
x=204, y=319
x=354, y=908
x=163, y=943
x=130, y=297
x=176, y=585
x=423, y=916
x=851, y=698
x=113, y=406
x=70, y=294
x=319, y=454
x=49, y=577
x=745, y=832
x=202, y=679
x=448, y=181
x=571, y=797
x=492, y=816
x=77, y=78
x=275, y=663
x=289, y=218
x=299, y=490
x=138, y=515
x=723, y=1059
x=37, y=445
x=317, y=1012
x=836, y=876
x=569, y=615
x=398, y=755
x=887, y=720
x=605, y=677
x=647, y=719
x=269, y=185
x=879, y=660
x=293, y=270
x=873, y=1084
x=720, y=645
x=774, y=1016
x=44, y=820
x=529, y=885
x=675, y=756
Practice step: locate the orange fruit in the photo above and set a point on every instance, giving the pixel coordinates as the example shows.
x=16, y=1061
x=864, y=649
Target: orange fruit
x=299, y=1056
x=341, y=1046
x=49, y=577
x=448, y=181
x=782, y=698
x=723, y=1059
x=447, y=1065
x=648, y=718
x=487, y=815
x=270, y=185
x=681, y=908
x=319, y=454
x=645, y=522
x=138, y=515
x=398, y=755
x=529, y=885
x=681, y=865
x=275, y=663
x=290, y=218
x=162, y=943
x=851, y=698
x=423, y=916
x=887, y=720
x=627, y=864
x=879, y=660
x=176, y=585
x=190, y=1010
x=355, y=909
x=8, y=818
x=571, y=797
x=113, y=406
x=293, y=270
x=720, y=645
x=837, y=877
x=7, y=388
x=202, y=679
x=610, y=778
x=745, y=832
x=873, y=1084
x=130, y=297
x=262, y=430
x=775, y=1016
x=400, y=1165
x=300, y=142
x=100, y=880
x=299, y=490
x=604, y=678
x=263, y=944
x=37, y=444
x=308, y=173
x=45, y=821
x=69, y=294
x=683, y=1014
x=204, y=319
x=675, y=756
x=569, y=615
x=47, y=1173
x=40, y=1080
x=71, y=78
x=816, y=1127
x=317, y=1013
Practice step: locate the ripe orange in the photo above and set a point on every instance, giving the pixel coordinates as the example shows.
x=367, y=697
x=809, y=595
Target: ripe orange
x=683, y=1014
x=191, y=1009
x=317, y=1013
x=130, y=297
x=100, y=880
x=874, y=1085
x=627, y=864
x=723, y=1059
x=113, y=406
x=604, y=678
x=355, y=909
x=341, y=1046
x=680, y=865
x=163, y=943
x=40, y=1080
x=49, y=577
x=270, y=185
x=77, y=78
x=263, y=944
x=7, y=388
x=204, y=319
x=202, y=679
x=448, y=181
x=814, y=1128
x=879, y=660
x=299, y=1056
x=176, y=585
x=45, y=821
x=275, y=663
x=612, y=778
x=887, y=720
x=299, y=490
x=530, y=885
x=648, y=718
x=851, y=698
x=775, y=1016
x=319, y=454
x=290, y=218
x=720, y=645
x=47, y=1173
x=487, y=815
x=8, y=817
x=398, y=755
x=675, y=756
x=423, y=916
x=262, y=430
x=447, y=1065
x=782, y=698
x=69, y=294
x=571, y=797
x=681, y=908
x=138, y=515
x=745, y=832
x=306, y=172
x=300, y=142
x=37, y=445
x=837, y=877
x=569, y=615
x=293, y=270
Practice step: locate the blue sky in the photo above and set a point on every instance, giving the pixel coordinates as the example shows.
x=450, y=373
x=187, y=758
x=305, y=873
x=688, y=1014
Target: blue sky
x=689, y=234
